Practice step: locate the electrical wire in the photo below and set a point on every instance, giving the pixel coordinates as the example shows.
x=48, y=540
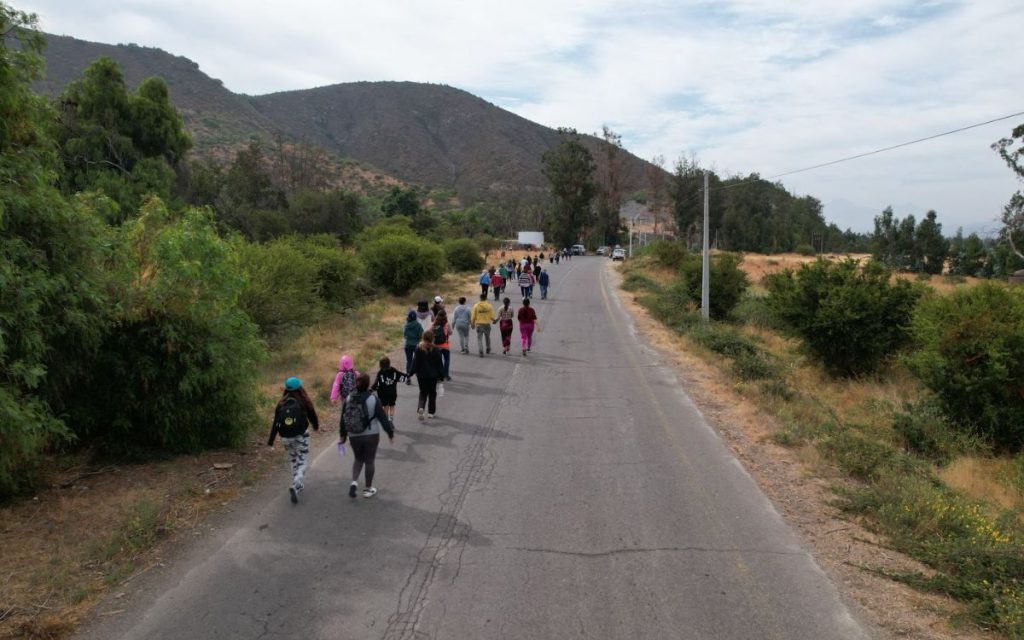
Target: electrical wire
x=862, y=155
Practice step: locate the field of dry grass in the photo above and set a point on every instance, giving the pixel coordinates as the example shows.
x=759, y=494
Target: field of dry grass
x=757, y=266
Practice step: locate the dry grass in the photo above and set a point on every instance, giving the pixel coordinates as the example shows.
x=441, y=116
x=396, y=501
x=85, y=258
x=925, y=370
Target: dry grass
x=757, y=266
x=979, y=478
x=91, y=528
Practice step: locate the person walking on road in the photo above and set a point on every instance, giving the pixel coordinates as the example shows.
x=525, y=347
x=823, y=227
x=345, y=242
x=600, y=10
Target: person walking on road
x=460, y=318
x=485, y=281
x=442, y=336
x=292, y=417
x=505, y=316
x=543, y=280
x=526, y=284
x=413, y=332
x=362, y=420
x=438, y=306
x=428, y=367
x=497, y=284
x=481, y=319
x=527, y=325
x=345, y=381
x=424, y=315
x=386, y=386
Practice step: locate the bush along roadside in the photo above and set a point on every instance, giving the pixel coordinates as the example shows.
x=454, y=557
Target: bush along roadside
x=893, y=453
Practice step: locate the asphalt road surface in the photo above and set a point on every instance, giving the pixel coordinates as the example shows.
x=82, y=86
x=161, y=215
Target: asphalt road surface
x=573, y=493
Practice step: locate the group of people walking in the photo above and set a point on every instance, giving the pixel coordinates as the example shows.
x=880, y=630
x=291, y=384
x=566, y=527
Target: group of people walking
x=367, y=410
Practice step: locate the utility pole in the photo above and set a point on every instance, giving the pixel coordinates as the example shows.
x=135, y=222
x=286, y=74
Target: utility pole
x=705, y=284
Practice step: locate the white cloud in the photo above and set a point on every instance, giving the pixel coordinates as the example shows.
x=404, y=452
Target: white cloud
x=752, y=85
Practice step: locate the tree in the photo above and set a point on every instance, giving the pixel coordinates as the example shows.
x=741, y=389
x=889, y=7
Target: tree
x=686, y=188
x=126, y=145
x=401, y=202
x=569, y=168
x=655, y=174
x=931, y=247
x=609, y=198
x=54, y=301
x=883, y=240
x=249, y=201
x=1013, y=214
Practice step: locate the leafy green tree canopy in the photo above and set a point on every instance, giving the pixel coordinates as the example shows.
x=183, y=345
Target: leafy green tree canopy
x=570, y=168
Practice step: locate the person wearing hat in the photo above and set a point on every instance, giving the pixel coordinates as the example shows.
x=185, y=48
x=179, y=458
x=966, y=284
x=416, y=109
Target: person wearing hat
x=438, y=306
x=413, y=331
x=292, y=417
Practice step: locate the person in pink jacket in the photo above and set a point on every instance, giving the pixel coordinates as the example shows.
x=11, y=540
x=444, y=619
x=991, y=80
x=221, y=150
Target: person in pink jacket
x=345, y=381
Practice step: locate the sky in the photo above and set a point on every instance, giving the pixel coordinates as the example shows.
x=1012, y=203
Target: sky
x=744, y=86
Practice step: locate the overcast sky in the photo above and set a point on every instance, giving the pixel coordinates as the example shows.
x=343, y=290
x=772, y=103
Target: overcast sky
x=747, y=85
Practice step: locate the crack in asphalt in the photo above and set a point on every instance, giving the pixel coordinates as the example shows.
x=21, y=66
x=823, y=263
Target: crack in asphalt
x=446, y=535
x=636, y=550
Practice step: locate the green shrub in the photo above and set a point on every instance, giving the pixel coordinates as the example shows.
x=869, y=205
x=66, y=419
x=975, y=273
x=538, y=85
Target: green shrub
x=283, y=284
x=393, y=226
x=401, y=262
x=754, y=310
x=805, y=250
x=926, y=431
x=179, y=372
x=727, y=282
x=723, y=340
x=635, y=281
x=849, y=317
x=864, y=457
x=338, y=271
x=54, y=302
x=667, y=254
x=971, y=354
x=756, y=365
x=463, y=254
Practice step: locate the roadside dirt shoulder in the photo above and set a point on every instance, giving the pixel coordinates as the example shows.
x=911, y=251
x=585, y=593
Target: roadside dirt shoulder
x=853, y=556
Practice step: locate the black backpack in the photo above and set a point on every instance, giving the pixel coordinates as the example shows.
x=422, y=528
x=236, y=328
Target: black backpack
x=354, y=416
x=439, y=336
x=292, y=416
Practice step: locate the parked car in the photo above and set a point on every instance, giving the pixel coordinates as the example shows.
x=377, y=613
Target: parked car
x=602, y=251
x=619, y=254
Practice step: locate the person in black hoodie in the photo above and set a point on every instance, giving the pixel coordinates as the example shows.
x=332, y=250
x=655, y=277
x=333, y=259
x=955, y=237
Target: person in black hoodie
x=429, y=368
x=292, y=417
x=386, y=386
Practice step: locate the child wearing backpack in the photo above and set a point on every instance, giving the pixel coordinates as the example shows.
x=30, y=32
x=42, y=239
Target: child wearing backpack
x=362, y=419
x=293, y=415
x=386, y=386
x=345, y=381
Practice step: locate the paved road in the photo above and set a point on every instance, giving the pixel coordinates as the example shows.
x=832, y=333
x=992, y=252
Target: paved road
x=574, y=493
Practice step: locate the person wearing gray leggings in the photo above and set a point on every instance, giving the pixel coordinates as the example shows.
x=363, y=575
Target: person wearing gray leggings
x=364, y=444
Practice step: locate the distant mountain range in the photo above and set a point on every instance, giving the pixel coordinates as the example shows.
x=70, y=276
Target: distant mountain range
x=431, y=135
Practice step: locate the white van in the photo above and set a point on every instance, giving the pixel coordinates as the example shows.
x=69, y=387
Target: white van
x=579, y=250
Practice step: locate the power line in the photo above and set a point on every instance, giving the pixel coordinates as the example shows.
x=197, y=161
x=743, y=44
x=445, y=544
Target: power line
x=862, y=155
x=897, y=146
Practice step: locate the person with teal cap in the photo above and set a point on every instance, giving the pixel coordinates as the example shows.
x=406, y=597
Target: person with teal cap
x=292, y=417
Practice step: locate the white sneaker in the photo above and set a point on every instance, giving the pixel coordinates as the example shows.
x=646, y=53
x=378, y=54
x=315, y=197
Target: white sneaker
x=430, y=416
x=419, y=414
x=369, y=492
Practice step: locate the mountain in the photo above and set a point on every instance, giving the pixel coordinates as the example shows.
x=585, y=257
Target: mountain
x=426, y=133
x=214, y=116
x=433, y=135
